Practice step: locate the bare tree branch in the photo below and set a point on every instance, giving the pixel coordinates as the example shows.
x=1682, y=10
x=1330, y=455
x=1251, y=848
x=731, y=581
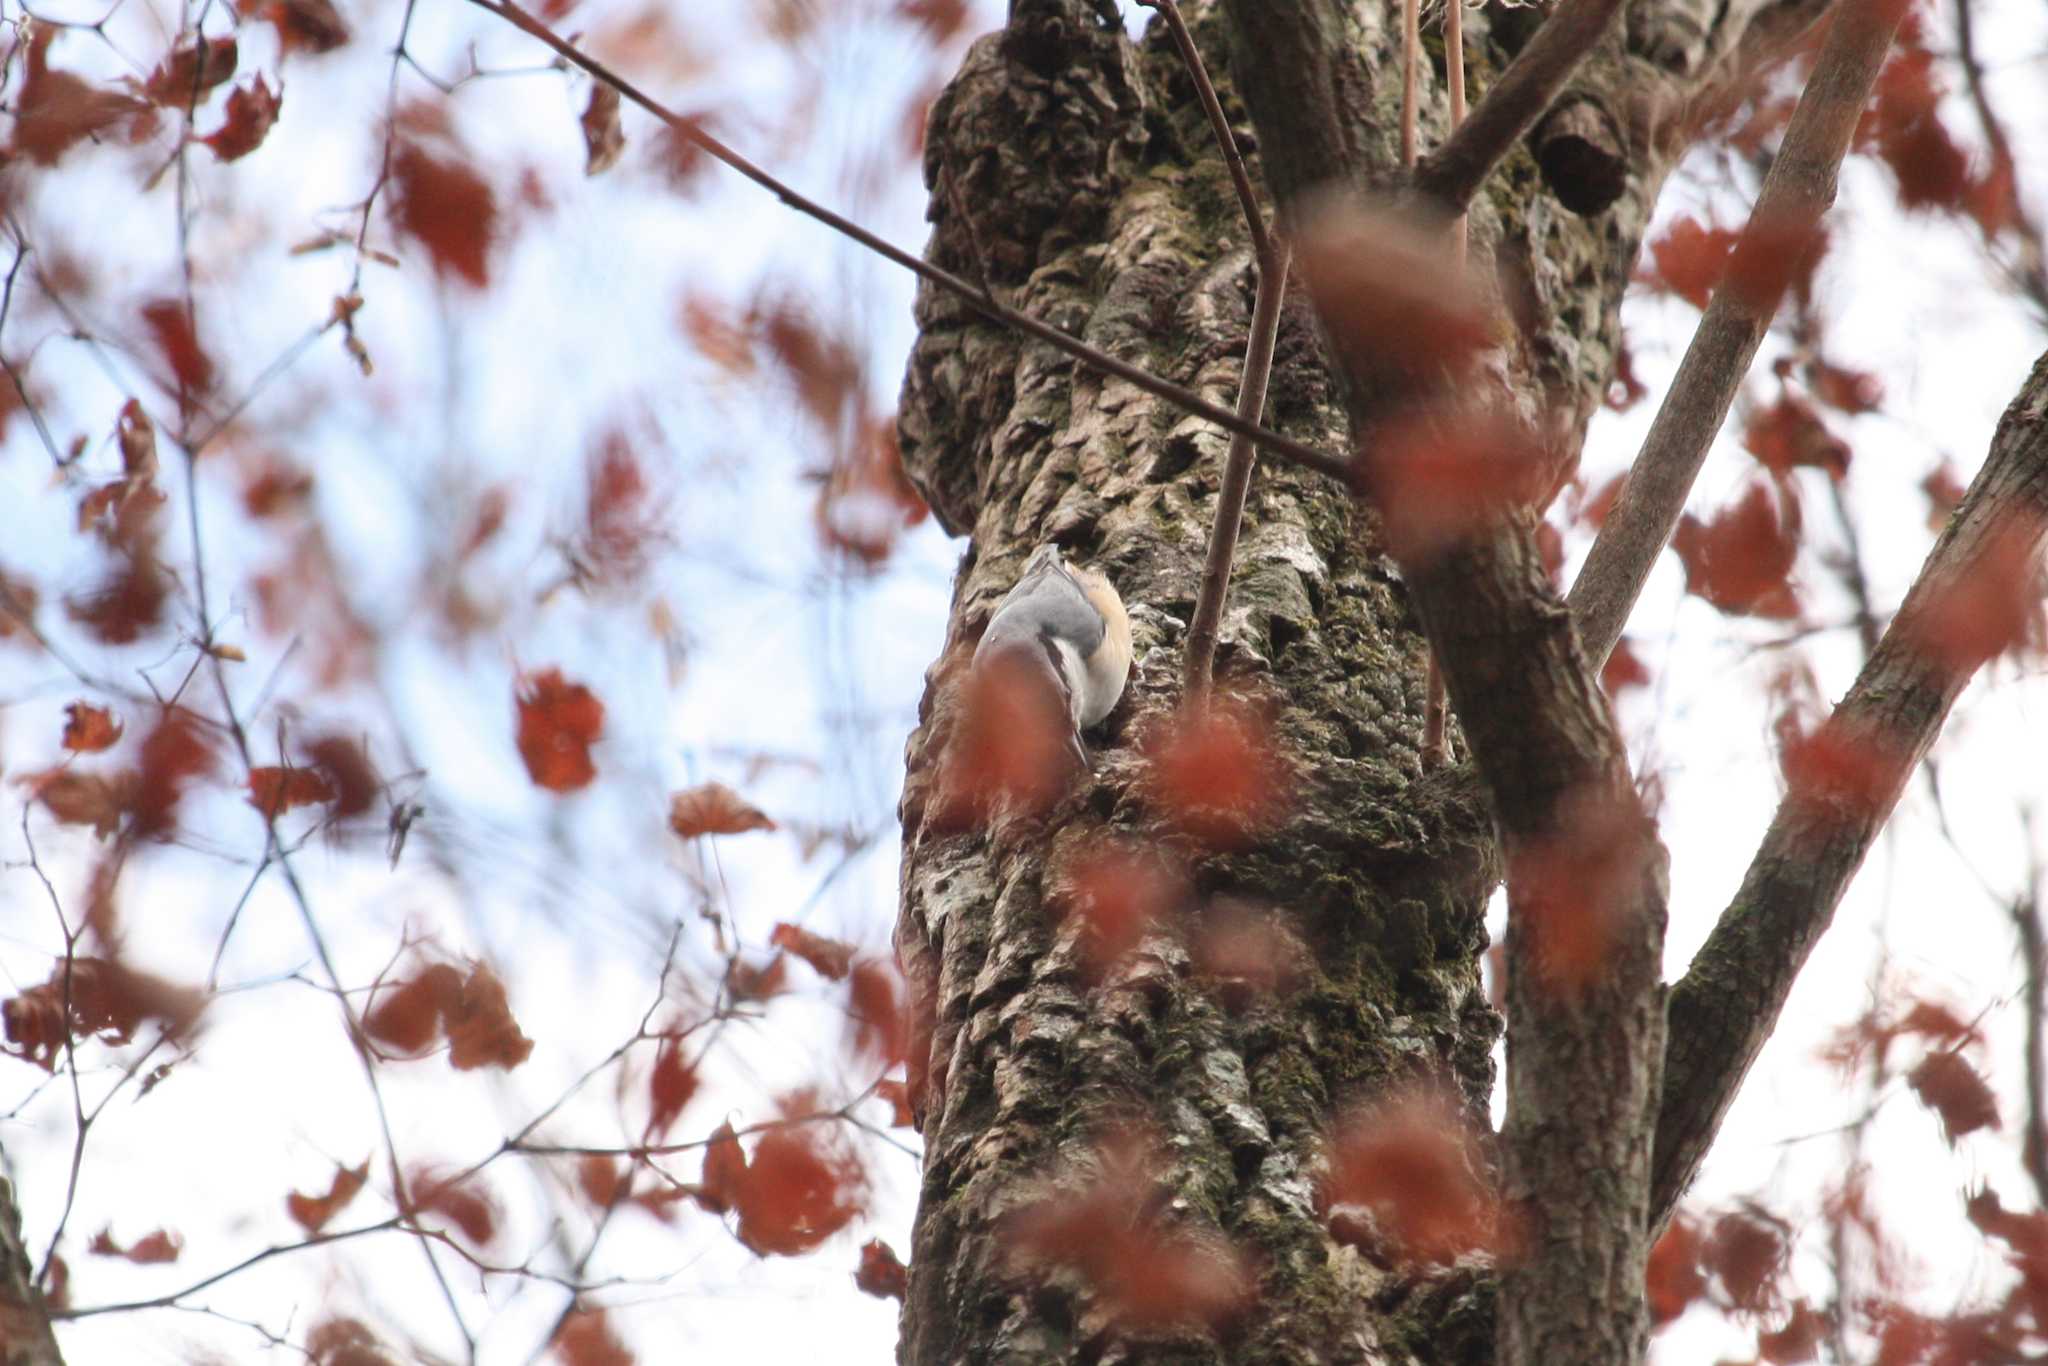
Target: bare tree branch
x=1729, y=1001
x=1095, y=359
x=1453, y=172
x=1797, y=191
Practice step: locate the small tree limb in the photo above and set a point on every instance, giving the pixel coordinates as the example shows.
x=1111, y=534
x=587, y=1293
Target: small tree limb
x=1729, y=1001
x=1237, y=476
x=1797, y=190
x=1287, y=448
x=1452, y=174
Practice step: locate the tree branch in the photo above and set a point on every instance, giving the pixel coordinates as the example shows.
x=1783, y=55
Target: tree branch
x=1237, y=475
x=1226, y=142
x=1095, y=359
x=1453, y=172
x=1797, y=190
x=2031, y=271
x=1729, y=1001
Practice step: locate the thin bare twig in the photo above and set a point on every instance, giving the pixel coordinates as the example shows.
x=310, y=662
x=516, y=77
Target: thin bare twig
x=1796, y=192
x=1411, y=60
x=1226, y=141
x=2031, y=271
x=1287, y=448
x=1452, y=173
x=1237, y=475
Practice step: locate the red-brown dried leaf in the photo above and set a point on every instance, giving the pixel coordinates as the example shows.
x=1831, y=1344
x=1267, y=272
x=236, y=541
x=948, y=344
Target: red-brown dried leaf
x=448, y=207
x=796, y=1193
x=1949, y=1086
x=867, y=500
x=185, y=75
x=464, y=1201
x=1746, y=1251
x=1625, y=391
x=1944, y=490
x=746, y=982
x=1413, y=1164
x=77, y=798
x=881, y=1272
x=277, y=488
x=624, y=519
x=107, y=1000
x=1846, y=390
x=150, y=1249
x=725, y=1171
x=481, y=1030
x=274, y=789
x=1903, y=127
x=681, y=159
x=407, y=1018
x=1995, y=608
x=1575, y=893
x=171, y=327
x=128, y=603
x=1675, y=1280
x=251, y=110
x=940, y=19
x=312, y=26
x=896, y=1094
x=1799, y=1340
x=669, y=1086
x=1690, y=259
x=1011, y=744
x=602, y=1180
x=875, y=1002
x=1144, y=1275
x=1741, y=559
x=1215, y=772
x=1775, y=255
x=713, y=809
x=716, y=334
x=603, y=138
x=1437, y=478
x=1391, y=295
x=173, y=755
x=1116, y=892
x=829, y=957
x=1248, y=953
x=586, y=1339
x=1624, y=669
x=558, y=723
x=312, y=1212
x=1789, y=434
x=347, y=769
x=54, y=110
x=1828, y=764
x=89, y=729
x=825, y=369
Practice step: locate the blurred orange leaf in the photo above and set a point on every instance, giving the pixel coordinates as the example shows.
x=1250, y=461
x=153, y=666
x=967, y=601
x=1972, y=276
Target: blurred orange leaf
x=558, y=722
x=713, y=809
x=89, y=729
x=447, y=207
x=252, y=108
x=828, y=957
x=603, y=138
x=1741, y=559
x=881, y=1272
x=1215, y=772
x=312, y=1212
x=1949, y=1086
x=312, y=26
x=273, y=790
x=149, y=1249
x=191, y=69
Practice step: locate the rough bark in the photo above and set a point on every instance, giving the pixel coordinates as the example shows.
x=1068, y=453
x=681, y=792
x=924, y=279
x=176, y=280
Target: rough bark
x=1076, y=170
x=25, y=1335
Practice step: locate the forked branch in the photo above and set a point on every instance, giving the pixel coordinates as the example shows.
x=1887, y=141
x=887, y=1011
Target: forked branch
x=1453, y=173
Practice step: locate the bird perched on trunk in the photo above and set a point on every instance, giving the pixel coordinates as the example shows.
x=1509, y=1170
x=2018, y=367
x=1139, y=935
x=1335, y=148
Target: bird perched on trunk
x=1063, y=627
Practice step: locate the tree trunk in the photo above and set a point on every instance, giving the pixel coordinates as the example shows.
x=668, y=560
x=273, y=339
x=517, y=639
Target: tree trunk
x=1073, y=174
x=25, y=1335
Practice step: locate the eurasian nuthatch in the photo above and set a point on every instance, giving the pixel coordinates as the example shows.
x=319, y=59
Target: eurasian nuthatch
x=1066, y=624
